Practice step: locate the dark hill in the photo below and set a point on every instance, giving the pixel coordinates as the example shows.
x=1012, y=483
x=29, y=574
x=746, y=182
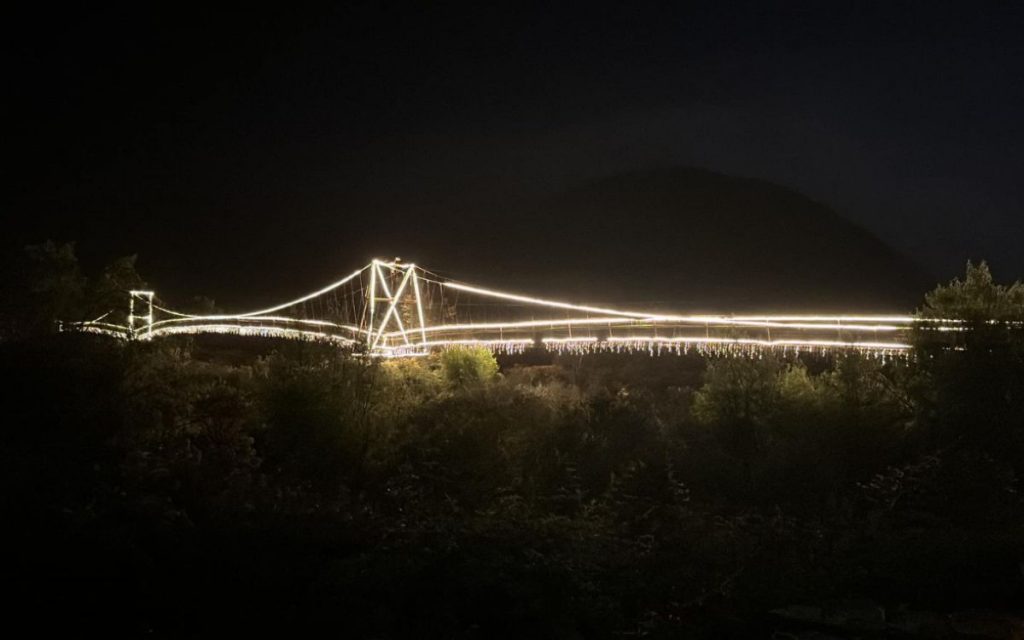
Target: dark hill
x=685, y=239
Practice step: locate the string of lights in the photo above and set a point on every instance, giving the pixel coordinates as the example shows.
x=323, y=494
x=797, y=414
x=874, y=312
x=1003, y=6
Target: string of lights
x=404, y=310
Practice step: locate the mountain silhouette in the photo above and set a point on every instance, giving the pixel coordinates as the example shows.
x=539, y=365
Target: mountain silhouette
x=686, y=240
x=681, y=239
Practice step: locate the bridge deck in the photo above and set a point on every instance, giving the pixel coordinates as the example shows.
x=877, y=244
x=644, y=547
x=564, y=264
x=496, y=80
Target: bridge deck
x=396, y=309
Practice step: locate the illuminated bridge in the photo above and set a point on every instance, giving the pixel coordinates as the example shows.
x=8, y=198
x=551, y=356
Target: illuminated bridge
x=395, y=309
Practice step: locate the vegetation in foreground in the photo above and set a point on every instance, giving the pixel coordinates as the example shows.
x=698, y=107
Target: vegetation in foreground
x=168, y=489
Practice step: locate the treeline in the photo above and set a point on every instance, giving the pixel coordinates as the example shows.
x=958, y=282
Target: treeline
x=192, y=488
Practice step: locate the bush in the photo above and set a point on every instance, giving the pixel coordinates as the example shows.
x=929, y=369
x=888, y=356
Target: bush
x=469, y=366
x=601, y=497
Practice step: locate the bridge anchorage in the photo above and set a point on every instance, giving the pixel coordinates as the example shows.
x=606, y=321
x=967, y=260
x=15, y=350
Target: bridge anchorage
x=389, y=308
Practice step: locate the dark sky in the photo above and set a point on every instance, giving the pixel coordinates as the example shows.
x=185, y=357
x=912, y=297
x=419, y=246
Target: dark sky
x=224, y=146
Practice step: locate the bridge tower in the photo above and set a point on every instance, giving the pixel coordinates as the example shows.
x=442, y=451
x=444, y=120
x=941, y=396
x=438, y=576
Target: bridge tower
x=140, y=323
x=394, y=313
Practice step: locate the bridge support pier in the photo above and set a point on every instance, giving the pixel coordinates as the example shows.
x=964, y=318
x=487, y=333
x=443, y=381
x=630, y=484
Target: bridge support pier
x=399, y=284
x=140, y=323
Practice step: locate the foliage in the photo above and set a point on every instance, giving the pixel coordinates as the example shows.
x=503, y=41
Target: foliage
x=42, y=285
x=797, y=438
x=468, y=366
x=109, y=291
x=55, y=282
x=971, y=393
x=433, y=497
x=976, y=298
x=45, y=286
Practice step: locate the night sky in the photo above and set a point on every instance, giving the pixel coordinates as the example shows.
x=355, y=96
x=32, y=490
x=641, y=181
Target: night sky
x=247, y=151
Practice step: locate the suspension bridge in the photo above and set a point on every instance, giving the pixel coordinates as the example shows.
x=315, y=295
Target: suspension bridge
x=389, y=308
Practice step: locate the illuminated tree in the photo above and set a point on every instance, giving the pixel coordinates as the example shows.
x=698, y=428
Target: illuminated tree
x=976, y=298
x=466, y=367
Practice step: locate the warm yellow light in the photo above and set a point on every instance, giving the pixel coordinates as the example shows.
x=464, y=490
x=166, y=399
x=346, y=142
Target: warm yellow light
x=793, y=322
x=283, y=319
x=269, y=332
x=763, y=343
x=690, y=320
x=383, y=340
x=391, y=308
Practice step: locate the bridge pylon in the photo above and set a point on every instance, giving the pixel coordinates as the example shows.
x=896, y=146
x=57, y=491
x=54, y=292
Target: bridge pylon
x=140, y=323
x=394, y=308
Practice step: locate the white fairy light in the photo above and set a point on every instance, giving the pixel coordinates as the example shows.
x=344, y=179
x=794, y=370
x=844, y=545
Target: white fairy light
x=264, y=332
x=419, y=305
x=796, y=322
x=282, y=319
x=304, y=298
x=798, y=332
x=689, y=320
x=764, y=343
x=393, y=306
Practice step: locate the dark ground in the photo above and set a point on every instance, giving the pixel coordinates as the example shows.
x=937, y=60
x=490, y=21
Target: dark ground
x=195, y=489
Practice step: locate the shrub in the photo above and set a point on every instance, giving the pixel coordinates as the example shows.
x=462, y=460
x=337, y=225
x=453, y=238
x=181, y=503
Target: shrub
x=468, y=367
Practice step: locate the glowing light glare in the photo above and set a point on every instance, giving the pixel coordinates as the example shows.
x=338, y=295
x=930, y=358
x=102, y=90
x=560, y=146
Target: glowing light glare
x=472, y=342
x=694, y=320
x=373, y=298
x=648, y=342
x=147, y=297
x=175, y=313
x=122, y=329
x=538, y=301
x=782, y=324
x=391, y=308
x=116, y=331
x=800, y=322
x=283, y=319
x=266, y=332
x=819, y=318
x=304, y=298
x=526, y=324
x=95, y=320
x=419, y=306
x=764, y=343
x=394, y=355
x=383, y=342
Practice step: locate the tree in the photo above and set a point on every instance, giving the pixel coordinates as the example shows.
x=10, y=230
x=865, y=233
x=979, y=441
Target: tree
x=974, y=313
x=974, y=380
x=738, y=397
x=44, y=285
x=110, y=291
x=468, y=367
x=976, y=298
